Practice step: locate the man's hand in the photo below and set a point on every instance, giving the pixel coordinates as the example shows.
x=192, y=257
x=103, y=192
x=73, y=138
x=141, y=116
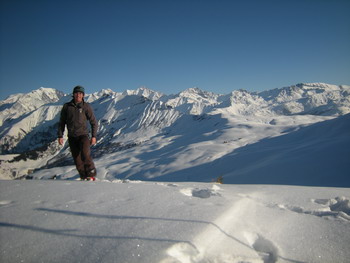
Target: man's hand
x=60, y=141
x=93, y=141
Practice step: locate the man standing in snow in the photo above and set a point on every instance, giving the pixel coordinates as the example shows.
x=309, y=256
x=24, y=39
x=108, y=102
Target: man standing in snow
x=75, y=115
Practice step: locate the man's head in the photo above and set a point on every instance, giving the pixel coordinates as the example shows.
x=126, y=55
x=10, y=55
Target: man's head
x=79, y=89
x=78, y=94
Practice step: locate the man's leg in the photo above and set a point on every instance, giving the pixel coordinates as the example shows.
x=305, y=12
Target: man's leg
x=89, y=165
x=74, y=145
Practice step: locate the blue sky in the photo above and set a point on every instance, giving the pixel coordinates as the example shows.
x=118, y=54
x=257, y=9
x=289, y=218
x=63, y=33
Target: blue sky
x=172, y=45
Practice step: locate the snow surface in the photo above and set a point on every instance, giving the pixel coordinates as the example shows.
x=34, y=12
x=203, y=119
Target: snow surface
x=135, y=221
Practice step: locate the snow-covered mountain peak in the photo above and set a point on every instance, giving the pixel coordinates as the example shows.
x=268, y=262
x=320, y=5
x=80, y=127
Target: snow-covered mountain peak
x=101, y=94
x=309, y=98
x=20, y=104
x=318, y=85
x=241, y=93
x=145, y=92
x=300, y=90
x=192, y=101
x=45, y=95
x=242, y=102
x=192, y=90
x=105, y=92
x=195, y=93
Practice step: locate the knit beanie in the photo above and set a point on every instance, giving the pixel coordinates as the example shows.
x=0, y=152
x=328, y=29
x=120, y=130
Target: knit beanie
x=78, y=89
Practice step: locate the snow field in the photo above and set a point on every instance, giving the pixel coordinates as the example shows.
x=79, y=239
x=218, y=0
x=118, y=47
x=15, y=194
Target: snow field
x=242, y=151
x=136, y=221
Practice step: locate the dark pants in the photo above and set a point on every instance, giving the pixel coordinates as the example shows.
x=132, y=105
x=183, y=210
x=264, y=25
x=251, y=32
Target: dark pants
x=80, y=148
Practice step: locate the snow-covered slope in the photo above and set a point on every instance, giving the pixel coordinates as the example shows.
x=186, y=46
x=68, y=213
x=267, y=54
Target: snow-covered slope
x=17, y=105
x=24, y=117
x=309, y=98
x=70, y=221
x=147, y=135
x=193, y=101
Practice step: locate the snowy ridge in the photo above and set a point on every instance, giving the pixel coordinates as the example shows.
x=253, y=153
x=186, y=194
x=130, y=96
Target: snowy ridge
x=144, y=92
x=191, y=136
x=246, y=103
x=311, y=98
x=193, y=101
x=19, y=104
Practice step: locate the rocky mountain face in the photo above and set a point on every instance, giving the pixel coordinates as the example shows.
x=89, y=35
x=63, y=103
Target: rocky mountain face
x=29, y=121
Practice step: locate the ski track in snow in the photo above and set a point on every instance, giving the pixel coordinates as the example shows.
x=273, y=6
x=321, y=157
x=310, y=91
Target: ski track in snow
x=219, y=237
x=216, y=237
x=211, y=239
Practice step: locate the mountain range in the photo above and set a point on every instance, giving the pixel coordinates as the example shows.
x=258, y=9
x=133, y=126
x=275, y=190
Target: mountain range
x=290, y=135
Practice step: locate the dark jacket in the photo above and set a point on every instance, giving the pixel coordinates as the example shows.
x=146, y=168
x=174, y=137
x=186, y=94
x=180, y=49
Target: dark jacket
x=76, y=117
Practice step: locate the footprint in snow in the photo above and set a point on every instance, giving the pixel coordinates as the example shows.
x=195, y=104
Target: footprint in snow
x=340, y=204
x=267, y=251
x=169, y=185
x=338, y=207
x=201, y=193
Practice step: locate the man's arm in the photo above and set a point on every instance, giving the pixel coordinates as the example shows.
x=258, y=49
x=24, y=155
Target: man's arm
x=62, y=124
x=93, y=122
